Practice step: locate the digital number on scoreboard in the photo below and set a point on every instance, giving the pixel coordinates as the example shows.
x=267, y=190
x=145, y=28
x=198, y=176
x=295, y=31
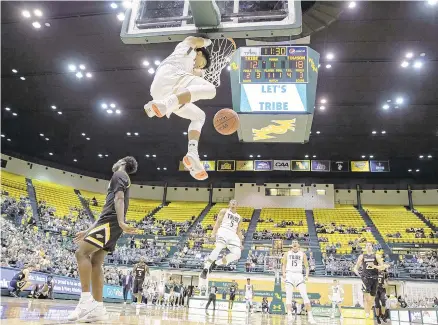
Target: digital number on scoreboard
x=274, y=64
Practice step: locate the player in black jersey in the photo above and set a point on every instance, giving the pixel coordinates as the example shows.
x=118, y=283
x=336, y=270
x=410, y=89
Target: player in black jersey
x=233, y=291
x=19, y=282
x=100, y=239
x=380, y=299
x=371, y=264
x=140, y=270
x=44, y=291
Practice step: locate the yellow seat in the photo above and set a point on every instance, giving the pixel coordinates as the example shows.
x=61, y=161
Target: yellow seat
x=14, y=185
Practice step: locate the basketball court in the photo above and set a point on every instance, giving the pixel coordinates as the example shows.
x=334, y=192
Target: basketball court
x=26, y=311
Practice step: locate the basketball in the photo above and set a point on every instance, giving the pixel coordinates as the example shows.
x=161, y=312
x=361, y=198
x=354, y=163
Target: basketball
x=226, y=121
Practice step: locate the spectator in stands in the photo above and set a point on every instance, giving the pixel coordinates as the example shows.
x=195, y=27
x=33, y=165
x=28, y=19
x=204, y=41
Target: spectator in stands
x=94, y=202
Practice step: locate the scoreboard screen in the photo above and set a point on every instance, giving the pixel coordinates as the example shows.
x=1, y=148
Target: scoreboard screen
x=274, y=64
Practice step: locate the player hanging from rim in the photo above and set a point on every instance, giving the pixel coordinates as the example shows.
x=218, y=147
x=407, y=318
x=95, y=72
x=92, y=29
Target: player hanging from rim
x=19, y=281
x=101, y=238
x=249, y=294
x=228, y=234
x=380, y=299
x=371, y=264
x=140, y=271
x=292, y=269
x=177, y=84
x=336, y=296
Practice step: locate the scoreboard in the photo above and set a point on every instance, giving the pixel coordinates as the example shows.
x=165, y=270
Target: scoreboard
x=274, y=64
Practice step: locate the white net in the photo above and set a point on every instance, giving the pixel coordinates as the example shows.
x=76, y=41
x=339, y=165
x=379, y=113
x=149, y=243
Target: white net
x=221, y=50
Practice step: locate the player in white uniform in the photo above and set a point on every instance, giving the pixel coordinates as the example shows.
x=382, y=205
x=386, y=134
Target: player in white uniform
x=336, y=295
x=160, y=299
x=228, y=234
x=249, y=294
x=292, y=267
x=177, y=84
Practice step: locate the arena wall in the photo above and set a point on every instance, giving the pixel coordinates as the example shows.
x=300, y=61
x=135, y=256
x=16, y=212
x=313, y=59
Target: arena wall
x=187, y=194
x=346, y=197
x=254, y=195
x=379, y=197
x=421, y=197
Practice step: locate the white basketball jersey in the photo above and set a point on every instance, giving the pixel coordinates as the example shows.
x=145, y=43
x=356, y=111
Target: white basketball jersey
x=231, y=221
x=295, y=262
x=182, y=58
x=248, y=289
x=336, y=292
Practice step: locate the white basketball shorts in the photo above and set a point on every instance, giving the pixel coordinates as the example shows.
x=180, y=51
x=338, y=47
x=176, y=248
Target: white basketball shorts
x=294, y=279
x=228, y=238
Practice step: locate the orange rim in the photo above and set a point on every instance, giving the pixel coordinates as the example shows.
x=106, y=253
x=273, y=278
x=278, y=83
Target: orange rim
x=156, y=110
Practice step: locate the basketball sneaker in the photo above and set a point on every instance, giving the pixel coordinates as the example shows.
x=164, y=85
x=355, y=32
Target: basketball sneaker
x=99, y=314
x=311, y=319
x=83, y=308
x=192, y=162
x=161, y=108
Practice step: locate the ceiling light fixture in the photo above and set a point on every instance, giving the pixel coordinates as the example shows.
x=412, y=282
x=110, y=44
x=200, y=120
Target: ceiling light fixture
x=429, y=156
x=258, y=156
x=158, y=168
x=374, y=132
x=147, y=156
x=22, y=78
x=409, y=170
x=146, y=63
x=330, y=56
x=100, y=155
x=417, y=170
x=88, y=139
x=114, y=5
x=88, y=75
x=53, y=107
x=14, y=70
x=47, y=139
x=409, y=55
x=104, y=106
x=72, y=67
x=136, y=134
x=185, y=133
x=421, y=157
x=318, y=132
x=75, y=160
x=322, y=107
x=47, y=24
x=112, y=105
x=3, y=135
x=60, y=113
x=323, y=101
x=404, y=64
x=164, y=168
x=155, y=156
x=51, y=153
x=157, y=62
x=386, y=106
x=371, y=156
x=8, y=139
x=38, y=13
x=383, y=132
x=7, y=109
x=151, y=70
x=328, y=66
x=314, y=156
x=128, y=134
x=82, y=67
x=41, y=134
x=25, y=13
x=121, y=16
x=306, y=156
x=118, y=111
x=363, y=156
x=399, y=100
x=418, y=64
x=205, y=156
x=109, y=111
x=352, y=5
x=229, y=68
x=15, y=114
x=83, y=134
x=250, y=156
x=79, y=75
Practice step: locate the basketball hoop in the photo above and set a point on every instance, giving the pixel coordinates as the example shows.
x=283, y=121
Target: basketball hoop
x=221, y=50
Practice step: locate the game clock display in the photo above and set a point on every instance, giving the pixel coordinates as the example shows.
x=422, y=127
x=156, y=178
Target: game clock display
x=274, y=64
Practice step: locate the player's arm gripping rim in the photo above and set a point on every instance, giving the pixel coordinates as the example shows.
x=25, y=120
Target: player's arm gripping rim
x=197, y=42
x=358, y=264
x=218, y=223
x=306, y=266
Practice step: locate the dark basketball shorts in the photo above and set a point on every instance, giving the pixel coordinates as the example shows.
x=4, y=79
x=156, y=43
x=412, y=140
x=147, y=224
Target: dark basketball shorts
x=369, y=285
x=380, y=299
x=105, y=233
x=232, y=296
x=137, y=285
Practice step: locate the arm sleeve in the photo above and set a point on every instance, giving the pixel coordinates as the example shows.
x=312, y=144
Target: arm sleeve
x=119, y=182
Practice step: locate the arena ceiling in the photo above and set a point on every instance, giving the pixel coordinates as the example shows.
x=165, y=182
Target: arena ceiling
x=369, y=44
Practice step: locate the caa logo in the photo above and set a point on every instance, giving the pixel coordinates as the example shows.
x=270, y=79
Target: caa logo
x=280, y=164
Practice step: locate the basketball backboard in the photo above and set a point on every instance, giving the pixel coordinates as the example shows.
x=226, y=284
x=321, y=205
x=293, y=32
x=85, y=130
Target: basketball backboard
x=148, y=22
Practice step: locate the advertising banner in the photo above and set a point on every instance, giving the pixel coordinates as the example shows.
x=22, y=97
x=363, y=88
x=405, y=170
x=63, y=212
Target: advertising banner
x=245, y=165
x=209, y=165
x=377, y=166
x=340, y=166
x=281, y=164
x=300, y=165
x=320, y=165
x=226, y=165
x=360, y=166
x=62, y=284
x=263, y=165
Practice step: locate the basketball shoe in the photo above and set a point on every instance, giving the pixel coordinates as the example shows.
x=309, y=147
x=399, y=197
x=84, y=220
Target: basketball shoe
x=160, y=108
x=99, y=314
x=310, y=318
x=192, y=162
x=83, y=308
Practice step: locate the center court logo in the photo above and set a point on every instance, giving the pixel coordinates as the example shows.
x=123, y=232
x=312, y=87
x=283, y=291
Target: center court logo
x=269, y=132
